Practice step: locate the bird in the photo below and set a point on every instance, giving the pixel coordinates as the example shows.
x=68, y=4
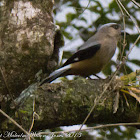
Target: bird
x=92, y=56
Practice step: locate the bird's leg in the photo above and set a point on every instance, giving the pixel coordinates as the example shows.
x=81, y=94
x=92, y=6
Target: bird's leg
x=89, y=77
x=97, y=76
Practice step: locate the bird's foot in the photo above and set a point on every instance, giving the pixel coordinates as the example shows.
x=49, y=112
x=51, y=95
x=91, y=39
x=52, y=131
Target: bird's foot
x=97, y=76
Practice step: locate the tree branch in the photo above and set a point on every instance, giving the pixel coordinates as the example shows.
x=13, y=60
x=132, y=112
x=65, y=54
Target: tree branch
x=68, y=103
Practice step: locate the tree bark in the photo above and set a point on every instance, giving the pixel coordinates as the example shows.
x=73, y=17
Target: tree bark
x=69, y=102
x=27, y=37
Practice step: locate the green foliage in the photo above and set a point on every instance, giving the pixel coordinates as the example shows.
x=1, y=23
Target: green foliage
x=135, y=61
x=107, y=69
x=127, y=133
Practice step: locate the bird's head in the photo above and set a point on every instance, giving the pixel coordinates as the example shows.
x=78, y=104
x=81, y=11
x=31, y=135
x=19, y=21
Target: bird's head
x=111, y=30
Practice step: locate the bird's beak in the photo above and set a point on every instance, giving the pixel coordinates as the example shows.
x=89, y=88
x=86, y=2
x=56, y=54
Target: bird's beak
x=124, y=32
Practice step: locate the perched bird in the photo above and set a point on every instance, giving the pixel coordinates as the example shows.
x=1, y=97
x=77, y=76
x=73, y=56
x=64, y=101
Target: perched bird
x=92, y=56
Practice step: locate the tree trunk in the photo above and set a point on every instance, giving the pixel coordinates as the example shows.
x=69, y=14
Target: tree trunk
x=26, y=43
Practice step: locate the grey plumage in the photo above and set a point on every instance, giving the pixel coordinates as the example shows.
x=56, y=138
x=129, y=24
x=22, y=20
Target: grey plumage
x=55, y=74
x=93, y=55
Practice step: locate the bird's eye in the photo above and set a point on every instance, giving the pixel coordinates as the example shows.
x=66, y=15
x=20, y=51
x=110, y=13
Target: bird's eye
x=115, y=26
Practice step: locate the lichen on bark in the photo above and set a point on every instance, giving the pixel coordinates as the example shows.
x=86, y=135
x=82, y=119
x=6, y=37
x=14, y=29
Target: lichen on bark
x=27, y=43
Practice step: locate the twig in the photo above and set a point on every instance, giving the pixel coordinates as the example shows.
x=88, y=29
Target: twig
x=32, y=124
x=131, y=17
x=14, y=122
x=90, y=128
x=132, y=94
x=86, y=7
x=138, y=38
x=137, y=4
x=4, y=79
x=124, y=37
x=135, y=90
x=8, y=90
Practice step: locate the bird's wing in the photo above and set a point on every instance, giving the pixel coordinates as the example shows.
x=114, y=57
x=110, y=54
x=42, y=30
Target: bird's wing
x=82, y=54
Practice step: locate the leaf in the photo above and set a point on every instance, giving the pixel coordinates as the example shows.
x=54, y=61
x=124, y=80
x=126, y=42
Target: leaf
x=67, y=35
x=82, y=18
x=135, y=61
x=125, y=69
x=107, y=69
x=67, y=54
x=70, y=17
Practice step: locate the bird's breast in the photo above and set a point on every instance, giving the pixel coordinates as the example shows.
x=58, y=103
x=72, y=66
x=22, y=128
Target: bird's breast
x=86, y=67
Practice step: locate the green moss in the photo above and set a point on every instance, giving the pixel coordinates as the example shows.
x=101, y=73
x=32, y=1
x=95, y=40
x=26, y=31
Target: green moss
x=69, y=91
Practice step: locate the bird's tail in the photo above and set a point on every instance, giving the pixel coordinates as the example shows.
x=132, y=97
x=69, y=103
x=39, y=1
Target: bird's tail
x=55, y=74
